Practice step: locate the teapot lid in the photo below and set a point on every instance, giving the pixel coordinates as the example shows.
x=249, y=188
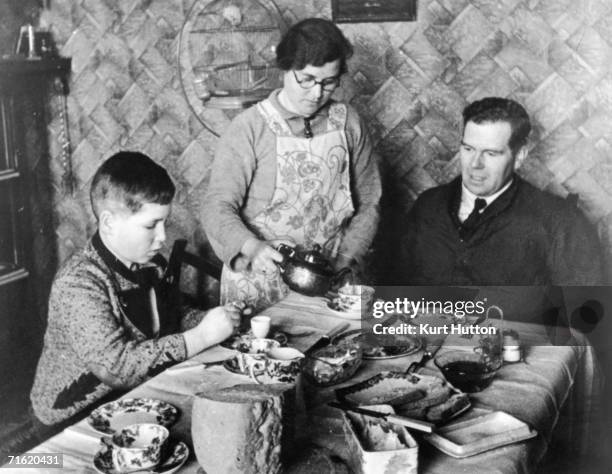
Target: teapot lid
x=315, y=257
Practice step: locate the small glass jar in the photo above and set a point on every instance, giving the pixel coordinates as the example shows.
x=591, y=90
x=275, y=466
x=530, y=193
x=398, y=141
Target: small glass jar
x=511, y=348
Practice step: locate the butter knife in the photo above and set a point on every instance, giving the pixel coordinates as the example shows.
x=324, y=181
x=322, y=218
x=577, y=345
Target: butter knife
x=429, y=354
x=391, y=418
x=327, y=338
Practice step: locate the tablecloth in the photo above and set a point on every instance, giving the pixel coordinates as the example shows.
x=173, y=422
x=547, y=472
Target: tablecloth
x=535, y=391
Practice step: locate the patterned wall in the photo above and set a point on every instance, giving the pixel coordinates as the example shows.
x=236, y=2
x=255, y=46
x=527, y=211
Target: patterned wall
x=410, y=80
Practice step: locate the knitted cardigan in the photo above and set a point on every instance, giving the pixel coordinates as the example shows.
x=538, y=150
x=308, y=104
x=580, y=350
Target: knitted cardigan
x=525, y=237
x=89, y=338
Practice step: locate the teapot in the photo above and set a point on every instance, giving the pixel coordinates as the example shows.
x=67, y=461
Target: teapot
x=308, y=272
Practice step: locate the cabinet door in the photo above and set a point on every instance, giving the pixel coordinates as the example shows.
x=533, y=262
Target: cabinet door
x=11, y=243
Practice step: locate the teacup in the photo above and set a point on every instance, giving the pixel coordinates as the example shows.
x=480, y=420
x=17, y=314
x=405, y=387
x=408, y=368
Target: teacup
x=281, y=365
x=137, y=447
x=255, y=351
x=354, y=297
x=260, y=325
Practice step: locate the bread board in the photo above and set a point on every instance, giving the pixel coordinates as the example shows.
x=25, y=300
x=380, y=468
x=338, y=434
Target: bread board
x=480, y=434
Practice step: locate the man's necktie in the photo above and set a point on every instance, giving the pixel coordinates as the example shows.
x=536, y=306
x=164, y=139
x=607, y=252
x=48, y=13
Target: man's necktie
x=307, y=128
x=471, y=221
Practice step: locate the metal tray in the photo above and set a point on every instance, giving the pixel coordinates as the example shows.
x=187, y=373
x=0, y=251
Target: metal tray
x=480, y=434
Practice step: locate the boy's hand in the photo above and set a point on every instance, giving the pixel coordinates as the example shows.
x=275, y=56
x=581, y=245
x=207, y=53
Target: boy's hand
x=217, y=325
x=220, y=323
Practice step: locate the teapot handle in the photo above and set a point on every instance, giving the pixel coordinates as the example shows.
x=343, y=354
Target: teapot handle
x=287, y=252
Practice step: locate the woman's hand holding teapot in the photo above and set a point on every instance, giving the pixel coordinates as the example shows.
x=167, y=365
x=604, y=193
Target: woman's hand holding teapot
x=263, y=255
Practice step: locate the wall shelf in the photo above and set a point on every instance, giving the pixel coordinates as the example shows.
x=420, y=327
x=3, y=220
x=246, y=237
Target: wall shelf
x=18, y=66
x=15, y=274
x=14, y=70
x=9, y=174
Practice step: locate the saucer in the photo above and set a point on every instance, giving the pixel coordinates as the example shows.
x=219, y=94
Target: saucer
x=353, y=314
x=103, y=461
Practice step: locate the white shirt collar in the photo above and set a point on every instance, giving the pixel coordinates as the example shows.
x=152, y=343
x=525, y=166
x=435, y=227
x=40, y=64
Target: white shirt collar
x=468, y=198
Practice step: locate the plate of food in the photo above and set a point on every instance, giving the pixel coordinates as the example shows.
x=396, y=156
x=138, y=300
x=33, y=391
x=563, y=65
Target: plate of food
x=115, y=415
x=389, y=348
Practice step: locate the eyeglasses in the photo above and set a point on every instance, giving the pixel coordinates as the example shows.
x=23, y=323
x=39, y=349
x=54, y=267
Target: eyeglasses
x=328, y=84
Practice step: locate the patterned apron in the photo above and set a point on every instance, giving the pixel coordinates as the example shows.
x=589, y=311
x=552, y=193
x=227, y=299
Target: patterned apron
x=310, y=205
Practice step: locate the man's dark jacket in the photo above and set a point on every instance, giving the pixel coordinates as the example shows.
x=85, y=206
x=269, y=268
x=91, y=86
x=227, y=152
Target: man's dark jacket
x=524, y=237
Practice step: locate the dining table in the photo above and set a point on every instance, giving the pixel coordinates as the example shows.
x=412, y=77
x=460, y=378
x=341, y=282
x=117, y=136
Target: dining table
x=555, y=389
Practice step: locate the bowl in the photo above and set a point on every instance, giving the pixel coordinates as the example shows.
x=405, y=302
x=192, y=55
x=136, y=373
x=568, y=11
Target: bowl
x=468, y=371
x=333, y=364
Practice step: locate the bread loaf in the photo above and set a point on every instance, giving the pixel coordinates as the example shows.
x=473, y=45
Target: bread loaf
x=436, y=391
x=244, y=429
x=449, y=408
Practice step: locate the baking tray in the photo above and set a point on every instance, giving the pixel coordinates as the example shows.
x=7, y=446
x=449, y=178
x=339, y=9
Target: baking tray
x=480, y=434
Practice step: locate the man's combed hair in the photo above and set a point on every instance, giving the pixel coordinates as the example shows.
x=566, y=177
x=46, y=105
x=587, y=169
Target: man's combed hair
x=498, y=109
x=130, y=179
x=313, y=41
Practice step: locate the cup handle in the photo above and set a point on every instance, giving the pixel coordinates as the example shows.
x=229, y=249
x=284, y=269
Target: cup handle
x=259, y=365
x=241, y=364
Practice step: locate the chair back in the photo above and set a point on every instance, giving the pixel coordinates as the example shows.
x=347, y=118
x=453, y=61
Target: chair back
x=179, y=256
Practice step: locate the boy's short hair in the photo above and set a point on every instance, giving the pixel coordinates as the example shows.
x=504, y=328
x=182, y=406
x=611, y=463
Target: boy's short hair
x=130, y=179
x=313, y=41
x=498, y=109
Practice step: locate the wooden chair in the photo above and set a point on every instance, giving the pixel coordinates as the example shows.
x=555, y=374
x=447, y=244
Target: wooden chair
x=179, y=256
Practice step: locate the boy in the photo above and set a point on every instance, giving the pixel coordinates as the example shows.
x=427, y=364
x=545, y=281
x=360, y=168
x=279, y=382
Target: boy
x=106, y=329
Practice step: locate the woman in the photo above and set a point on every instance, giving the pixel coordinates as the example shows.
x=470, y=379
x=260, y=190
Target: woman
x=296, y=168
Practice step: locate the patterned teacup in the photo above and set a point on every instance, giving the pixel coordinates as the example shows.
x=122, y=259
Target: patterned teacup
x=256, y=351
x=354, y=297
x=281, y=365
x=137, y=447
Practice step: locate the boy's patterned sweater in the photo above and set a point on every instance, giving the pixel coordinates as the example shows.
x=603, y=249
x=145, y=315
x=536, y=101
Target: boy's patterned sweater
x=90, y=346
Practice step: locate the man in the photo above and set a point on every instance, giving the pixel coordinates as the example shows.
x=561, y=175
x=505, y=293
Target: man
x=490, y=227
x=107, y=327
x=297, y=168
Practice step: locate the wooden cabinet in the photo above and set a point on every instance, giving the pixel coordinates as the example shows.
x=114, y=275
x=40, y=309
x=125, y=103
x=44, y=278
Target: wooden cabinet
x=12, y=252
x=25, y=87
